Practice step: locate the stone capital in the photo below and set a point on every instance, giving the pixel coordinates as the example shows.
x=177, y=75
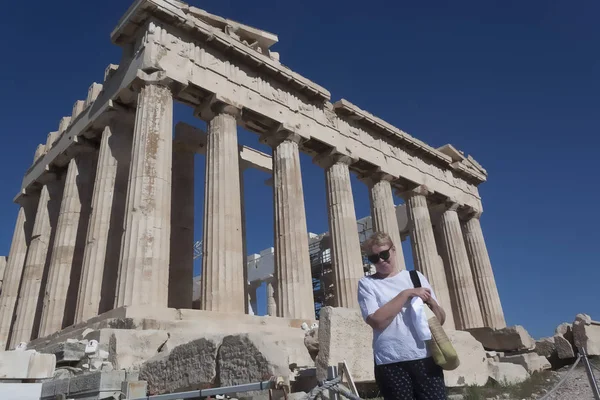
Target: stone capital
x=215, y=105
x=371, y=178
x=467, y=212
x=327, y=159
x=279, y=135
x=451, y=205
x=158, y=78
x=421, y=190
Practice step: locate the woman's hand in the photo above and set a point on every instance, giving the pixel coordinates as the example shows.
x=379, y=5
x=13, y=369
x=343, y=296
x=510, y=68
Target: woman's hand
x=423, y=293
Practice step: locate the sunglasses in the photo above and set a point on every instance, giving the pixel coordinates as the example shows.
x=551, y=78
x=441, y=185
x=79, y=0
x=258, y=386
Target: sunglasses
x=384, y=255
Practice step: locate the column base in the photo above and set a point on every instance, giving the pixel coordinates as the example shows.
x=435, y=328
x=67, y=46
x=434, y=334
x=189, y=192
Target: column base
x=156, y=318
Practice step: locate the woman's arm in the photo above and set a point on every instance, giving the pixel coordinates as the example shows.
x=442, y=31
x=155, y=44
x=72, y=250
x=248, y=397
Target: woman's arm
x=384, y=316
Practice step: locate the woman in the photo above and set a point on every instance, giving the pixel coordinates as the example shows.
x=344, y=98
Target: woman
x=404, y=368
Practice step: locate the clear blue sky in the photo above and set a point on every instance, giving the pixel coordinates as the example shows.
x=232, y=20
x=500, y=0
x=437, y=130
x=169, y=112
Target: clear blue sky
x=514, y=83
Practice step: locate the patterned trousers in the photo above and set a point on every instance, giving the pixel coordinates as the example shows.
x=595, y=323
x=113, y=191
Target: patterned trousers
x=411, y=380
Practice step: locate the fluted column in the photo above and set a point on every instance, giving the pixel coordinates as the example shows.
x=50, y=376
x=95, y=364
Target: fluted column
x=144, y=261
x=345, y=245
x=181, y=269
x=467, y=313
x=424, y=249
x=35, y=273
x=98, y=282
x=60, y=297
x=223, y=284
x=483, y=275
x=294, y=293
x=271, y=303
x=383, y=212
x=15, y=263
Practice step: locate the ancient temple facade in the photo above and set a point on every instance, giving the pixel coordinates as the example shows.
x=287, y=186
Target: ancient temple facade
x=107, y=207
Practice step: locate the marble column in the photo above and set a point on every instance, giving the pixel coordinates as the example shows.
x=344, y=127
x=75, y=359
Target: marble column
x=248, y=291
x=345, y=246
x=467, y=313
x=64, y=273
x=223, y=284
x=98, y=282
x=424, y=249
x=144, y=262
x=252, y=299
x=271, y=303
x=35, y=273
x=16, y=261
x=181, y=269
x=483, y=275
x=383, y=212
x=294, y=293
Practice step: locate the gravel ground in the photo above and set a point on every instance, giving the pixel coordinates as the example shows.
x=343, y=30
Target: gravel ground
x=576, y=387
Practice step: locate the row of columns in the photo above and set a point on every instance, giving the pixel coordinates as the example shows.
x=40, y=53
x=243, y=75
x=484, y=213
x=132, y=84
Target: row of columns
x=102, y=234
x=454, y=258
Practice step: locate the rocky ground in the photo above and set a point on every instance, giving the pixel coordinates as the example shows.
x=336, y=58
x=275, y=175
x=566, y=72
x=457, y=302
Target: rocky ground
x=575, y=387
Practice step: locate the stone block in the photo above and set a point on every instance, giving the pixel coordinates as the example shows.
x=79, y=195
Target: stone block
x=586, y=333
x=565, y=330
x=96, y=382
x=14, y=364
x=344, y=335
x=473, y=369
x=564, y=348
x=512, y=338
x=48, y=389
x=545, y=347
x=130, y=348
x=250, y=358
x=20, y=391
x=66, y=352
x=26, y=365
x=532, y=362
x=190, y=365
x=41, y=366
x=507, y=373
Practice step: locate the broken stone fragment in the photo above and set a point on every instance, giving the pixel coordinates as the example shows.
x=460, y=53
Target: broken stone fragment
x=512, y=338
x=171, y=371
x=564, y=348
x=565, y=330
x=545, y=347
x=473, y=368
x=69, y=352
x=532, y=362
x=311, y=341
x=586, y=334
x=507, y=373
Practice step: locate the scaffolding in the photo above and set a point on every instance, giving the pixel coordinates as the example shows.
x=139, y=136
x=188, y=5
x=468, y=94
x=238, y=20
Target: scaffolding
x=321, y=266
x=321, y=263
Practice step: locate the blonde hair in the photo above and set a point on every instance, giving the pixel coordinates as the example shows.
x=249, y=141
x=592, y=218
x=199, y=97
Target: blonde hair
x=377, y=239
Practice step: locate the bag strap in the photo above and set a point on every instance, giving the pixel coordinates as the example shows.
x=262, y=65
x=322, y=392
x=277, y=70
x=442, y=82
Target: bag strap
x=414, y=277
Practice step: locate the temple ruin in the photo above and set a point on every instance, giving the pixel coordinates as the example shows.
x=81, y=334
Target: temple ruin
x=107, y=207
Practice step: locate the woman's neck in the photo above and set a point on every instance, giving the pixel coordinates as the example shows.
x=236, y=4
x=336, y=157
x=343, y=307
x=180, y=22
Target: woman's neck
x=390, y=274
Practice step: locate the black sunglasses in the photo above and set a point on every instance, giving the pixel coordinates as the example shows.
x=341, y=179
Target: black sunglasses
x=384, y=255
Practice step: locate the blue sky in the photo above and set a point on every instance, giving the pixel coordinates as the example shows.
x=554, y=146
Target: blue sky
x=515, y=84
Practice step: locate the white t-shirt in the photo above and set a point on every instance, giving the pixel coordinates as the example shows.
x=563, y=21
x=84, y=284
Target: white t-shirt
x=398, y=342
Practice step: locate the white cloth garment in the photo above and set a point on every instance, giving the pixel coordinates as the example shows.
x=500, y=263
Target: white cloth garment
x=419, y=318
x=401, y=340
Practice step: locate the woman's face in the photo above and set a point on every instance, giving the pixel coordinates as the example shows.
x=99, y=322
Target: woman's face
x=382, y=265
